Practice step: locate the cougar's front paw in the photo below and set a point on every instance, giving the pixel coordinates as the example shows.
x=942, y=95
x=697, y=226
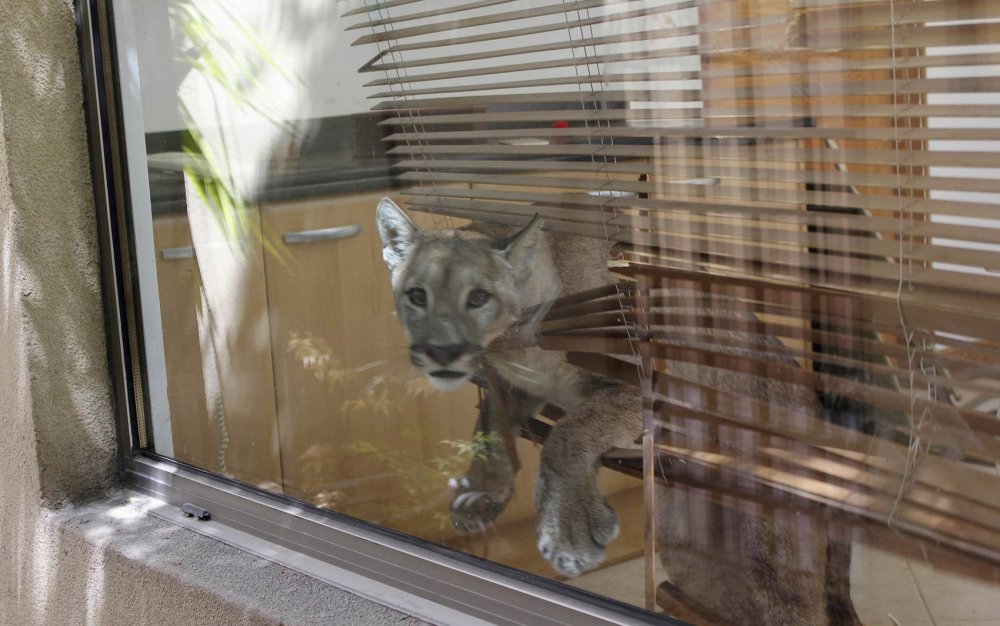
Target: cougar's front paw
x=476, y=506
x=574, y=531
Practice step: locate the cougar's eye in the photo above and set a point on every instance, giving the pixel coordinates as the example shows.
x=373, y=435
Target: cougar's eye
x=417, y=296
x=477, y=298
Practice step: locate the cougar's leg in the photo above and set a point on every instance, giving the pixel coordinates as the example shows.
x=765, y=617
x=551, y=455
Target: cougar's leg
x=575, y=521
x=483, y=493
x=840, y=607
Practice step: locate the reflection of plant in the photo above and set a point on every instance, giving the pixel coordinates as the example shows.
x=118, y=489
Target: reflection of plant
x=386, y=484
x=417, y=497
x=230, y=57
x=375, y=400
x=373, y=394
x=233, y=63
x=316, y=357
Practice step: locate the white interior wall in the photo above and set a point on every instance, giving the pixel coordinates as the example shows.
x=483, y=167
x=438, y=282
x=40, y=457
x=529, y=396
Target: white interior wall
x=307, y=38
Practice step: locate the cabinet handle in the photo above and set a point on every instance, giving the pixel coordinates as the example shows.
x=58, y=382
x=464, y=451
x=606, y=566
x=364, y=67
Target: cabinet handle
x=185, y=252
x=298, y=236
x=172, y=254
x=321, y=234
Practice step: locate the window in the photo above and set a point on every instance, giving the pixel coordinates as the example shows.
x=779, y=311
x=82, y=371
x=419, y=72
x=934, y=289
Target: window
x=742, y=368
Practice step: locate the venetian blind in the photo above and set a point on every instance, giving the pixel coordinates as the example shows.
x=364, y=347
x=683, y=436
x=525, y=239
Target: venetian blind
x=824, y=174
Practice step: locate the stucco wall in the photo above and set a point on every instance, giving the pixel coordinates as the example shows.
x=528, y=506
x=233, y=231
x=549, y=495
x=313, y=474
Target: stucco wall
x=52, y=282
x=67, y=554
x=106, y=563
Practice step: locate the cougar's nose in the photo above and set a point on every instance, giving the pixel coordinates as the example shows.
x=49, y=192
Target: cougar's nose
x=443, y=355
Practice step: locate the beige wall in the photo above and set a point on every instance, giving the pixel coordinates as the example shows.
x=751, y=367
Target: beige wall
x=63, y=561
x=54, y=393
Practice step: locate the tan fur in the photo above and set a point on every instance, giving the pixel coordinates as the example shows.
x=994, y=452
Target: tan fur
x=747, y=569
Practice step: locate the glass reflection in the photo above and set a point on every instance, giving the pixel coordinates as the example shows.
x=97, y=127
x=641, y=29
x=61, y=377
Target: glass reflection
x=741, y=367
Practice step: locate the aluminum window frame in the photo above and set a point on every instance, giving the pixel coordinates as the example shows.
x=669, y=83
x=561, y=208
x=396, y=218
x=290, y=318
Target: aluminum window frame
x=417, y=577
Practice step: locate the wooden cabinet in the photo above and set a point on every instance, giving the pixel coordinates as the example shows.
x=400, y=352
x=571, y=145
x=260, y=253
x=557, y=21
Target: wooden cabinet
x=222, y=405
x=360, y=428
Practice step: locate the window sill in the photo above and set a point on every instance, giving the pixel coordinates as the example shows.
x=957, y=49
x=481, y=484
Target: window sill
x=131, y=565
x=415, y=578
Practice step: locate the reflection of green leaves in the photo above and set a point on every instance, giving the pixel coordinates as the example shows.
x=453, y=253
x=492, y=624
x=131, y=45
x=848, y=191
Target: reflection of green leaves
x=480, y=448
x=374, y=401
x=260, y=49
x=421, y=481
x=315, y=356
x=410, y=433
x=413, y=492
x=233, y=65
x=363, y=448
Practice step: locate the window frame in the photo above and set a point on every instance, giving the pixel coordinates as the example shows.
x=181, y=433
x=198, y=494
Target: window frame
x=417, y=577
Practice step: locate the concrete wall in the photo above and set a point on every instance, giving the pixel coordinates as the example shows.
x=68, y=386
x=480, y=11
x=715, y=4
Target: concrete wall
x=67, y=554
x=51, y=306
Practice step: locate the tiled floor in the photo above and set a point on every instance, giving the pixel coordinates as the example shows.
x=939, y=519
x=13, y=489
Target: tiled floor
x=623, y=581
x=887, y=591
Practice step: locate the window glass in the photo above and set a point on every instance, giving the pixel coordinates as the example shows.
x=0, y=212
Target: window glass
x=689, y=304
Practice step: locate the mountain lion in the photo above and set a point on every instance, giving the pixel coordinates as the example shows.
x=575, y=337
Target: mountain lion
x=456, y=291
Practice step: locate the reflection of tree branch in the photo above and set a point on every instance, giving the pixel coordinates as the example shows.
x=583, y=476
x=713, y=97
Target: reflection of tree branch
x=233, y=65
x=212, y=52
x=414, y=493
x=213, y=379
x=212, y=180
x=420, y=499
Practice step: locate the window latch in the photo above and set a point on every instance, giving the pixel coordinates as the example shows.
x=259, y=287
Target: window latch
x=193, y=510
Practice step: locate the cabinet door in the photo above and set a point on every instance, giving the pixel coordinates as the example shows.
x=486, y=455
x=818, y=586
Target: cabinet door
x=222, y=418
x=361, y=431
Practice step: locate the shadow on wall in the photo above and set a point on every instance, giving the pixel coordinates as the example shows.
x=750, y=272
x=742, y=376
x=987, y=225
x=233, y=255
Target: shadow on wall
x=54, y=247
x=57, y=442
x=115, y=564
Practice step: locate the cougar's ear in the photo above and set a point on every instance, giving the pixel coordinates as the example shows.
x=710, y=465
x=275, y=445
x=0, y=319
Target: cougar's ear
x=398, y=233
x=520, y=249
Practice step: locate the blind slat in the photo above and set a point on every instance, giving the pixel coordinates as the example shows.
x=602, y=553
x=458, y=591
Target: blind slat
x=608, y=134
x=747, y=175
x=583, y=42
x=377, y=5
x=714, y=152
x=955, y=313
x=867, y=15
x=384, y=19
x=518, y=202
x=678, y=331
x=801, y=111
x=904, y=38
x=793, y=65
x=731, y=197
x=395, y=49
x=783, y=264
x=396, y=34
x=846, y=335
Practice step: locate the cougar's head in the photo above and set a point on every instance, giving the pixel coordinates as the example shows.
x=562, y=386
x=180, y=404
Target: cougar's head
x=455, y=291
